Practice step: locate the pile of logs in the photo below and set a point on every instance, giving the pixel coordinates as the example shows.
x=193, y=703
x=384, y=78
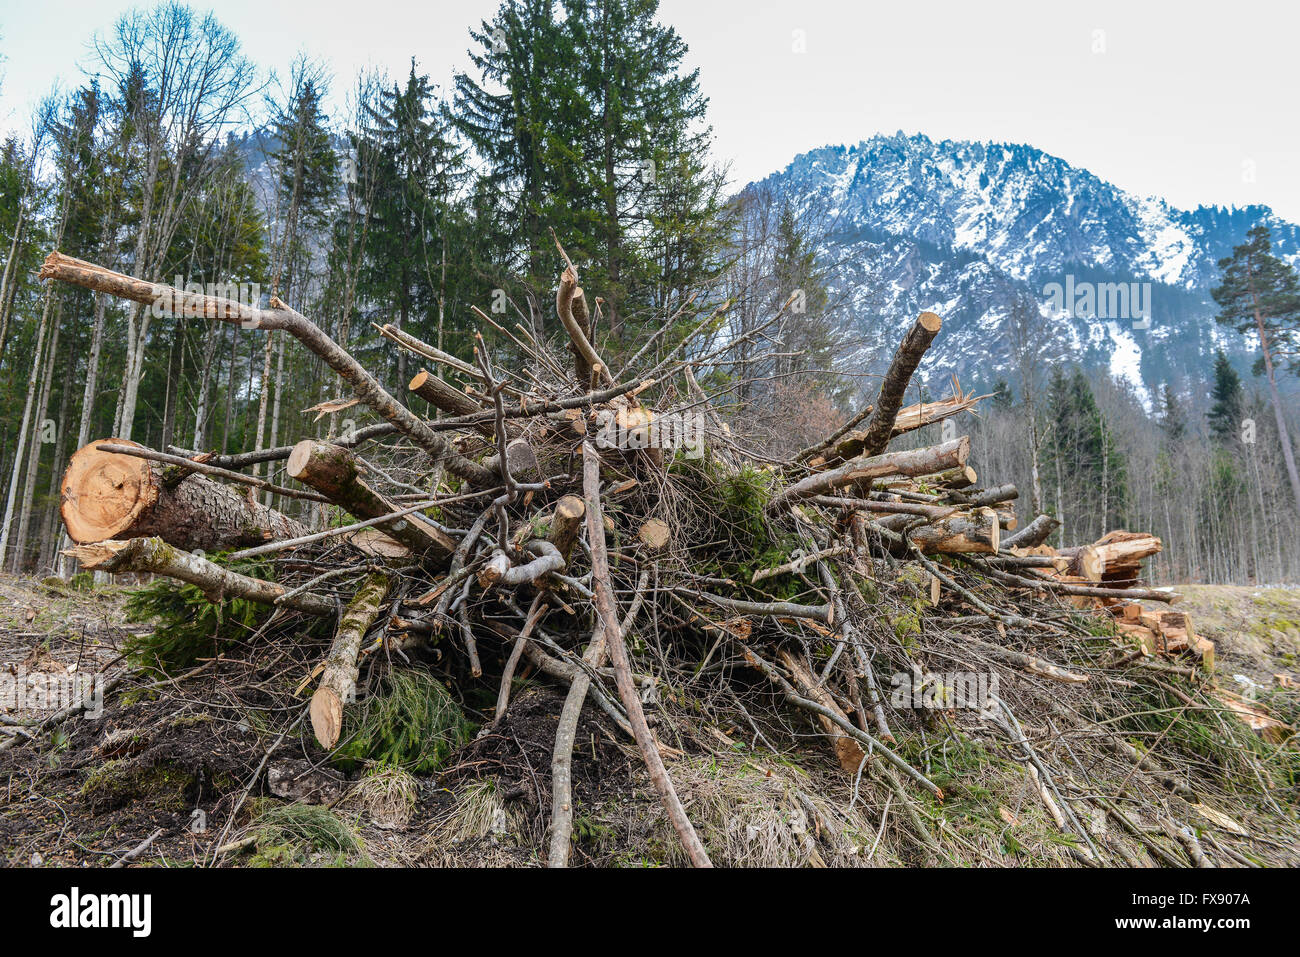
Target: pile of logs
x=514, y=538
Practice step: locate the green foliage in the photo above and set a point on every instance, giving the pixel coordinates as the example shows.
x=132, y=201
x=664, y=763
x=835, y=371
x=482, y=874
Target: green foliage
x=1226, y=412
x=1083, y=458
x=288, y=835
x=590, y=124
x=733, y=504
x=1260, y=292
x=187, y=625
x=414, y=724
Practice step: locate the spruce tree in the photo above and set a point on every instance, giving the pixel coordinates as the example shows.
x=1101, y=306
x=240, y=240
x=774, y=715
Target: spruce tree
x=1225, y=415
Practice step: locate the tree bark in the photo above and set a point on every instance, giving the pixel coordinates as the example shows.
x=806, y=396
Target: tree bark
x=613, y=633
x=880, y=427
x=1033, y=534
x=155, y=556
x=914, y=462
x=109, y=495
x=338, y=683
x=332, y=471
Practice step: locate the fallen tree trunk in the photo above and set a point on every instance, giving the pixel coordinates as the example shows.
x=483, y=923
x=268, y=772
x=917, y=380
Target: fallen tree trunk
x=332, y=471
x=914, y=462
x=108, y=495
x=338, y=683
x=880, y=427
x=154, y=556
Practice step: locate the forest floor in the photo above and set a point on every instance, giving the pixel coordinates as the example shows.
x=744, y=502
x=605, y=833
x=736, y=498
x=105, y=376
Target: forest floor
x=190, y=769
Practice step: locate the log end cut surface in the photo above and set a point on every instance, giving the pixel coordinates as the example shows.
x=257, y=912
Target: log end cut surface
x=104, y=492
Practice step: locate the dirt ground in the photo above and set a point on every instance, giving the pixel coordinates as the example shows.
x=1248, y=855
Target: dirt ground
x=189, y=768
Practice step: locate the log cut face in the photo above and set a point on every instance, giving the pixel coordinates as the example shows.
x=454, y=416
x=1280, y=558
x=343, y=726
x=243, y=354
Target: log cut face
x=107, y=495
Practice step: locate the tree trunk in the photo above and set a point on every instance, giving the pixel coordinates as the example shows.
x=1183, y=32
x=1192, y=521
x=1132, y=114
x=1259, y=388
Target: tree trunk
x=111, y=495
x=154, y=556
x=338, y=684
x=914, y=462
x=332, y=471
x=880, y=427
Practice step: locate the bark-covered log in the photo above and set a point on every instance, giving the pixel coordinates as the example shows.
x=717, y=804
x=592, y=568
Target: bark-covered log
x=566, y=521
x=1120, y=553
x=1033, y=534
x=847, y=751
x=913, y=462
x=332, y=471
x=446, y=397
x=155, y=556
x=1085, y=562
x=338, y=682
x=852, y=442
x=108, y=495
x=880, y=427
x=974, y=533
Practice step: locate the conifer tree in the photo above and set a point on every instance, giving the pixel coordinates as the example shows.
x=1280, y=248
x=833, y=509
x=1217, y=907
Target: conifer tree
x=1225, y=415
x=1260, y=293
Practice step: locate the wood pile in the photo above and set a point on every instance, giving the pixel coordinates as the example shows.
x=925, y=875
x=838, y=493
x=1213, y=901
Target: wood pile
x=505, y=527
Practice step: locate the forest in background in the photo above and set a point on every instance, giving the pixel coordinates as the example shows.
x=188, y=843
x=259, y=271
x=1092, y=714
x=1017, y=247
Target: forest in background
x=414, y=205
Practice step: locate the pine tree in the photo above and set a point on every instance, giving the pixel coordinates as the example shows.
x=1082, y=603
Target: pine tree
x=1172, y=420
x=644, y=127
x=1225, y=415
x=1260, y=293
x=527, y=167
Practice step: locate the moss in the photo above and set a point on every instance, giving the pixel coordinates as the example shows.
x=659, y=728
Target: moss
x=734, y=503
x=117, y=782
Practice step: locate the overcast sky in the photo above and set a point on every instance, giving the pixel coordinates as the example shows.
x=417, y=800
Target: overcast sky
x=1195, y=102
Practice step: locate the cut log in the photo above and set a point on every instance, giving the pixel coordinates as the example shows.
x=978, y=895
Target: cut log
x=332, y=471
x=997, y=495
x=1120, y=553
x=446, y=397
x=521, y=458
x=913, y=417
x=566, y=521
x=654, y=534
x=107, y=495
x=959, y=534
x=880, y=427
x=153, y=555
x=847, y=751
x=338, y=683
x=1085, y=562
x=1033, y=534
x=914, y=462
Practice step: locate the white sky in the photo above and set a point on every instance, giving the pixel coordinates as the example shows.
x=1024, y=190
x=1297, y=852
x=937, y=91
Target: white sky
x=1195, y=102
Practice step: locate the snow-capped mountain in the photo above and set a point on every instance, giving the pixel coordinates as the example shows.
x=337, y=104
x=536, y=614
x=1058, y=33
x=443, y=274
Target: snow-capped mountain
x=969, y=229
